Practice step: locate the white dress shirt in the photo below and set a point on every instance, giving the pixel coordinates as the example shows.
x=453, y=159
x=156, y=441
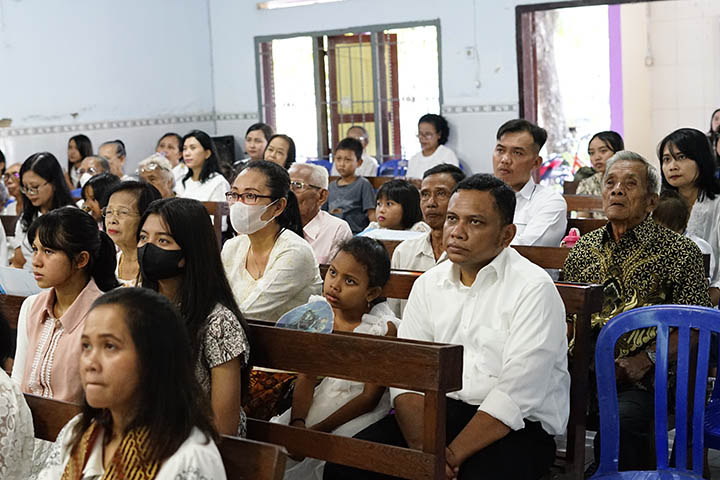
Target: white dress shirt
x=290, y=277
x=197, y=457
x=211, y=190
x=511, y=324
x=418, y=163
x=414, y=254
x=704, y=222
x=540, y=216
x=325, y=233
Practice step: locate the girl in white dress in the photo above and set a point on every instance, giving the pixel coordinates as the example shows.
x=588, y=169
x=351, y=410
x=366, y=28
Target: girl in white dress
x=144, y=414
x=688, y=166
x=352, y=286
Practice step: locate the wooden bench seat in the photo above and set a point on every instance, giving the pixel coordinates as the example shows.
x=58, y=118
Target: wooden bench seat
x=420, y=366
x=243, y=459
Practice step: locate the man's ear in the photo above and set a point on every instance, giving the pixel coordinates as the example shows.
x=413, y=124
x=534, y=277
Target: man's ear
x=324, y=196
x=538, y=161
x=507, y=234
x=652, y=203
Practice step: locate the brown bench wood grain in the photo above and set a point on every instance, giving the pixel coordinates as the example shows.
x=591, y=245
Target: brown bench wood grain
x=583, y=203
x=243, y=459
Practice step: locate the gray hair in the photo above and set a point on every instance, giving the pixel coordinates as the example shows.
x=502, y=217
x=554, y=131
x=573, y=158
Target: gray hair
x=161, y=162
x=318, y=175
x=653, y=177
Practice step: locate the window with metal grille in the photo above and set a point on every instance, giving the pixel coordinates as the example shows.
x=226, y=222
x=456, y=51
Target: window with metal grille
x=314, y=87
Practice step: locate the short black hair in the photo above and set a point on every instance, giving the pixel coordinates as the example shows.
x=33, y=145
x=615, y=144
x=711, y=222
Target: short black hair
x=452, y=170
x=143, y=192
x=290, y=155
x=521, y=125
x=102, y=184
x=504, y=195
x=263, y=127
x=404, y=193
x=612, y=140
x=352, y=144
x=373, y=255
x=672, y=211
x=440, y=124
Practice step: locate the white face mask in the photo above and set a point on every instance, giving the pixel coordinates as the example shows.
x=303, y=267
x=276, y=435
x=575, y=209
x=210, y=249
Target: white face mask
x=245, y=219
x=84, y=179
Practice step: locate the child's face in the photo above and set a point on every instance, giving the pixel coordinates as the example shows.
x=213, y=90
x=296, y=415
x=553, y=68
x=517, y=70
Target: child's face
x=388, y=213
x=346, y=284
x=346, y=162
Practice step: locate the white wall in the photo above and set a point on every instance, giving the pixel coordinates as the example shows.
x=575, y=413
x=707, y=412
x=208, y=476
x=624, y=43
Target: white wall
x=474, y=113
x=75, y=66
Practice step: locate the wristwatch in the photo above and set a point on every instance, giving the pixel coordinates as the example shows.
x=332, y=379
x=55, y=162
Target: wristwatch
x=651, y=355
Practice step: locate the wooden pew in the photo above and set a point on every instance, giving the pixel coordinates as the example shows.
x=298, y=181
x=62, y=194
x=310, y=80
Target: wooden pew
x=585, y=225
x=570, y=187
x=376, y=182
x=582, y=203
x=218, y=210
x=579, y=299
x=420, y=366
x=10, y=307
x=8, y=223
x=243, y=459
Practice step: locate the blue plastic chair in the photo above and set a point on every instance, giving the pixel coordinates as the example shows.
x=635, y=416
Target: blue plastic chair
x=712, y=418
x=323, y=163
x=664, y=317
x=392, y=168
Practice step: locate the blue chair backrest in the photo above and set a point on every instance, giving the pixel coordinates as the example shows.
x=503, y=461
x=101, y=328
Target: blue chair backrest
x=392, y=168
x=681, y=318
x=323, y=163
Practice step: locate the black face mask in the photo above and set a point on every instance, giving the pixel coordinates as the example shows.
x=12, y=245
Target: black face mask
x=158, y=264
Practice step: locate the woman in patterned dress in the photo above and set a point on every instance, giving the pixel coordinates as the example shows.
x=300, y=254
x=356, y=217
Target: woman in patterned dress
x=179, y=257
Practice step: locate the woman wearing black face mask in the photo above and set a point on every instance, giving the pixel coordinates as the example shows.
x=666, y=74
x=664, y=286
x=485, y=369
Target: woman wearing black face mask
x=179, y=257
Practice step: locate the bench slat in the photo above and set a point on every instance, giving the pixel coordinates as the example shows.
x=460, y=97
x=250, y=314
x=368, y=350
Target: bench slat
x=583, y=203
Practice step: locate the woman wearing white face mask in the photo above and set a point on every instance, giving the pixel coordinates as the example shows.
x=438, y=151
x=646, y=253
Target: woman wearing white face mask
x=270, y=266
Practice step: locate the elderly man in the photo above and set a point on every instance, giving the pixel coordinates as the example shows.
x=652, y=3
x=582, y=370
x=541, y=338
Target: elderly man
x=91, y=166
x=509, y=317
x=115, y=152
x=541, y=214
x=639, y=263
x=424, y=252
x=323, y=231
x=158, y=171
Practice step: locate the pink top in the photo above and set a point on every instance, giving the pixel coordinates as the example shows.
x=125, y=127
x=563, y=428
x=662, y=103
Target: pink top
x=53, y=350
x=324, y=233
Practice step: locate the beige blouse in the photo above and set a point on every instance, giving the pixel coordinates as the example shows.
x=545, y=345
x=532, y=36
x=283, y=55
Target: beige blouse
x=290, y=277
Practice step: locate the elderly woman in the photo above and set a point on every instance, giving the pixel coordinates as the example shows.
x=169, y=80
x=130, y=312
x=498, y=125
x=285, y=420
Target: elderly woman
x=640, y=263
x=157, y=171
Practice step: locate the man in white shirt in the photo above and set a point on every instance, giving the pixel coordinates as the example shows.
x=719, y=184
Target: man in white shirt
x=540, y=213
x=510, y=319
x=424, y=252
x=369, y=166
x=323, y=231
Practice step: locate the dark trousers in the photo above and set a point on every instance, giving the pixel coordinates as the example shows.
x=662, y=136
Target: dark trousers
x=524, y=454
x=637, y=436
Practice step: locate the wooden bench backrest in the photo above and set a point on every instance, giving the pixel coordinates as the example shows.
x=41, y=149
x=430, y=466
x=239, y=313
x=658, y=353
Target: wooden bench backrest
x=218, y=210
x=585, y=225
x=8, y=223
x=376, y=182
x=570, y=187
x=420, y=366
x=582, y=203
x=243, y=459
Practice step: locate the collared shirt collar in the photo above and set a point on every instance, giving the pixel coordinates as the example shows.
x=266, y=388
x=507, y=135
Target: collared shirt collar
x=427, y=249
x=71, y=319
x=314, y=226
x=495, y=267
x=527, y=191
x=639, y=232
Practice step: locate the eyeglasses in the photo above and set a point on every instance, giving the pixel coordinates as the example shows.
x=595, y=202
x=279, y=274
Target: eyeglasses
x=425, y=135
x=298, y=186
x=8, y=176
x=32, y=190
x=248, y=198
x=151, y=166
x=91, y=171
x=120, y=213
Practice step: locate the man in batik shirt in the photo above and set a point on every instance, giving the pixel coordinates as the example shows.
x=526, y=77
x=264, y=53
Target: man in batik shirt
x=639, y=263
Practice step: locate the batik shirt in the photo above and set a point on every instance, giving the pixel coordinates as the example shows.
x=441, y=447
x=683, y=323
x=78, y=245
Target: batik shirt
x=649, y=265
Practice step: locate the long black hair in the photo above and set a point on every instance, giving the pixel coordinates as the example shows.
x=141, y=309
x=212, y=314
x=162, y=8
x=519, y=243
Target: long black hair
x=204, y=282
x=46, y=166
x=171, y=400
x=102, y=184
x=84, y=146
x=695, y=145
x=211, y=164
x=277, y=180
x=611, y=139
x=72, y=231
x=404, y=193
